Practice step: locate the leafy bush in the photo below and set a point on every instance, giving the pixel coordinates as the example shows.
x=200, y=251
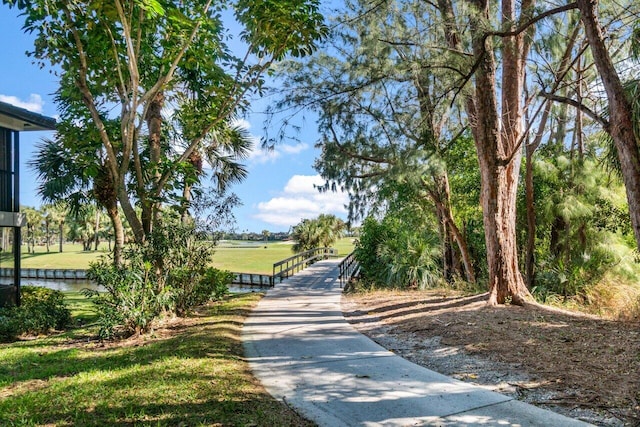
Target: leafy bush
x=190, y=288
x=183, y=255
x=372, y=236
x=41, y=310
x=131, y=301
x=584, y=278
x=169, y=273
x=394, y=254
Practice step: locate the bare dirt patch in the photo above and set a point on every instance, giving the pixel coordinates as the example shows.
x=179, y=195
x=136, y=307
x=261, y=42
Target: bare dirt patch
x=579, y=365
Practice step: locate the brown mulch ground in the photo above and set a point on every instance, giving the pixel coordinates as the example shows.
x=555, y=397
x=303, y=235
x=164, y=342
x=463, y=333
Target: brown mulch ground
x=580, y=365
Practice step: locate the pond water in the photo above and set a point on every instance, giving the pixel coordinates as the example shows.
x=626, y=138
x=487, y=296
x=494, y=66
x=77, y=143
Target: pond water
x=244, y=289
x=61, y=284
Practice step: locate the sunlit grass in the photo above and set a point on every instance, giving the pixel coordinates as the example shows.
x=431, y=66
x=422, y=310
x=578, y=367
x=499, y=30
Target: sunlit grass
x=190, y=372
x=71, y=257
x=260, y=259
x=257, y=257
x=82, y=309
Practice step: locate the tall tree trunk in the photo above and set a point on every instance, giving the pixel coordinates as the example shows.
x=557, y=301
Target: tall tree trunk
x=105, y=192
x=447, y=263
x=130, y=213
x=443, y=205
x=499, y=152
x=195, y=158
x=96, y=229
x=48, y=234
x=150, y=206
x=531, y=218
x=186, y=202
x=579, y=123
x=118, y=231
x=61, y=234
x=620, y=112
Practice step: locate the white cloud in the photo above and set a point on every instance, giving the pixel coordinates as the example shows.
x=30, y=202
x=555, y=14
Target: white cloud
x=300, y=200
x=261, y=155
x=34, y=104
x=293, y=149
x=303, y=184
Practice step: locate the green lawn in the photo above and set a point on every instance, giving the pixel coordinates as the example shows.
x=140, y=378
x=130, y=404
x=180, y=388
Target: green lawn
x=190, y=373
x=72, y=256
x=233, y=256
x=258, y=259
x=82, y=309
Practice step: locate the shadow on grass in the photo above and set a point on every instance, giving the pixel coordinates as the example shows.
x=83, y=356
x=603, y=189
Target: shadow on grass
x=391, y=310
x=187, y=374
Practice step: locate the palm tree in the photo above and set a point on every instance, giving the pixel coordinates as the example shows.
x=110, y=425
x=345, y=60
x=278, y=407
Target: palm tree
x=320, y=232
x=34, y=219
x=266, y=234
x=331, y=229
x=223, y=151
x=58, y=215
x=54, y=214
x=75, y=172
x=305, y=235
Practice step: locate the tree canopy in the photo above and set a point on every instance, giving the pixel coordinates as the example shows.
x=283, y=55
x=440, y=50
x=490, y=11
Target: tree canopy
x=404, y=86
x=163, y=73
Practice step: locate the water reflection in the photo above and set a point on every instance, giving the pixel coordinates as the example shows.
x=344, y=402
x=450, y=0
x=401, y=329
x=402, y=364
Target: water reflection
x=245, y=289
x=62, y=285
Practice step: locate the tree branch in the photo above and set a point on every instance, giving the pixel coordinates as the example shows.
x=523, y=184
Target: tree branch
x=523, y=27
x=341, y=148
x=586, y=110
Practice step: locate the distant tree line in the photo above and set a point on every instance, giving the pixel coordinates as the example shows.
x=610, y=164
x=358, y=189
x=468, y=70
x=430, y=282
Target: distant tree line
x=51, y=226
x=254, y=236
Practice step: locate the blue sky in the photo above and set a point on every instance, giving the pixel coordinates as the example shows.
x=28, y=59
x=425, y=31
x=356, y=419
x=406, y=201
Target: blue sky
x=277, y=194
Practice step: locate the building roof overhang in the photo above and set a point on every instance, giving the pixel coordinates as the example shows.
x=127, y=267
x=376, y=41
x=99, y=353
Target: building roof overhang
x=19, y=119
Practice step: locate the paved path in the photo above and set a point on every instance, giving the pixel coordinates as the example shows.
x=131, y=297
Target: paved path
x=304, y=352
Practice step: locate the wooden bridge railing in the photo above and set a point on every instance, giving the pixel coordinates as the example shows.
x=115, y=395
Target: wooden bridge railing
x=349, y=268
x=292, y=265
x=285, y=268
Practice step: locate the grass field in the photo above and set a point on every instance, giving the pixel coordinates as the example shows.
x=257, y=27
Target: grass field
x=232, y=255
x=189, y=372
x=260, y=259
x=72, y=257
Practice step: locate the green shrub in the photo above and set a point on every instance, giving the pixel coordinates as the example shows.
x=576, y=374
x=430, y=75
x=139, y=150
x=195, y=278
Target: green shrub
x=169, y=273
x=9, y=327
x=215, y=283
x=41, y=311
x=184, y=255
x=393, y=253
x=130, y=302
x=193, y=287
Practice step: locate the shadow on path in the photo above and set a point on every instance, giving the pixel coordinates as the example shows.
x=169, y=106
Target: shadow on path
x=304, y=352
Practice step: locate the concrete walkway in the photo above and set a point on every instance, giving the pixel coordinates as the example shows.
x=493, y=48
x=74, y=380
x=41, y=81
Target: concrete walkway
x=305, y=353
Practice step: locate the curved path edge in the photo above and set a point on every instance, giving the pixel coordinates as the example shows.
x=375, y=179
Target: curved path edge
x=303, y=351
